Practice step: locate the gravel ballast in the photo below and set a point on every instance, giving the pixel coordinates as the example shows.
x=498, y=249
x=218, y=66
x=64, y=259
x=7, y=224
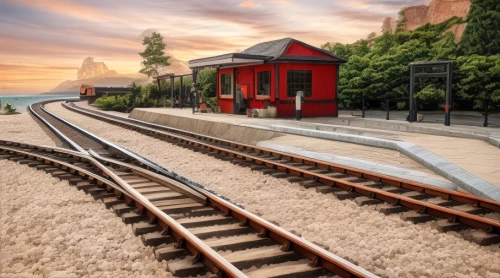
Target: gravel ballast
x=385, y=245
x=50, y=229
x=23, y=128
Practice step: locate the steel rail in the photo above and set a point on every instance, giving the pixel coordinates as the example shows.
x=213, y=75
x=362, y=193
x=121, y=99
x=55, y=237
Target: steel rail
x=209, y=257
x=317, y=255
x=391, y=198
x=59, y=134
x=185, y=239
x=215, y=262
x=172, y=184
x=446, y=194
x=85, y=174
x=122, y=151
x=330, y=262
x=41, y=147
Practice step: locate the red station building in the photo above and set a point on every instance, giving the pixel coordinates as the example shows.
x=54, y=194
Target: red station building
x=271, y=73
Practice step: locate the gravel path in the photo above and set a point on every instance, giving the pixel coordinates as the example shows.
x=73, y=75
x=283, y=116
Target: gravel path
x=50, y=229
x=385, y=245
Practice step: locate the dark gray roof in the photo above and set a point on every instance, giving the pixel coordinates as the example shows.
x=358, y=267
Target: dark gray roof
x=272, y=51
x=232, y=55
x=271, y=48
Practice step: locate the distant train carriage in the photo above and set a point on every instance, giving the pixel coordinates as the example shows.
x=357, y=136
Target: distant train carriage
x=90, y=93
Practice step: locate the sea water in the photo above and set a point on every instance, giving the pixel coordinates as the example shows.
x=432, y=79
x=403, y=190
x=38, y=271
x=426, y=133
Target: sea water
x=21, y=102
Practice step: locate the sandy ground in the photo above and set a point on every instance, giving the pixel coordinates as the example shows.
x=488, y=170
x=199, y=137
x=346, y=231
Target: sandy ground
x=22, y=128
x=50, y=229
x=385, y=245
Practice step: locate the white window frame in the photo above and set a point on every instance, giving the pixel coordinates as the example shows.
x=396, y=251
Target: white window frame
x=232, y=86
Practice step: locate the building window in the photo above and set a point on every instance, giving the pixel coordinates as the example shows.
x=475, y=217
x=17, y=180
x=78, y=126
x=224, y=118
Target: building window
x=226, y=84
x=264, y=83
x=299, y=80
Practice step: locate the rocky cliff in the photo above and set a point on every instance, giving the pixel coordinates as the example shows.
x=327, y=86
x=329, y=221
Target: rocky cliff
x=98, y=74
x=437, y=12
x=91, y=69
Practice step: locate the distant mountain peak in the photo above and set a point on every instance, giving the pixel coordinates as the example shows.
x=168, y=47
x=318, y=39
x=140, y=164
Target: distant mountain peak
x=91, y=69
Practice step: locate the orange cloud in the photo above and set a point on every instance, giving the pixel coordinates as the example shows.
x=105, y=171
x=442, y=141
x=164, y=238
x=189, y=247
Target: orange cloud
x=249, y=5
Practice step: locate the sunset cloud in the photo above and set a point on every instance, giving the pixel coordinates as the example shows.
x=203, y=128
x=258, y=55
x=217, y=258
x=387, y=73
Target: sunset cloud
x=44, y=41
x=249, y=4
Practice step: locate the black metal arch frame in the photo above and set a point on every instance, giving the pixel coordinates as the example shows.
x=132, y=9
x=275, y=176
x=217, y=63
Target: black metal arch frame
x=432, y=69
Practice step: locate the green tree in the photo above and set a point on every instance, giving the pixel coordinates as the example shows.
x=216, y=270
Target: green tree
x=444, y=49
x=384, y=43
x=136, y=92
x=154, y=60
x=480, y=78
x=482, y=34
x=207, y=79
x=401, y=24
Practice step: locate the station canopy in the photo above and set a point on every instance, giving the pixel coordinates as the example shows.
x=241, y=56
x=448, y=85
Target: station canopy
x=264, y=52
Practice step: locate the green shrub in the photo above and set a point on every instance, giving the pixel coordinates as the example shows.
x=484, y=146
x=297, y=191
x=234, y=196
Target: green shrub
x=212, y=101
x=9, y=109
x=114, y=103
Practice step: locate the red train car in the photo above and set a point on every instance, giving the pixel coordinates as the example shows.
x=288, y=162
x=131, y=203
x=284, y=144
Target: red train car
x=271, y=73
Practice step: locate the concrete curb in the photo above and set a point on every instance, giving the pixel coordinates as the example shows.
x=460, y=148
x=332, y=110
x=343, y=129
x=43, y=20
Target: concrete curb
x=494, y=141
x=383, y=169
x=450, y=171
x=382, y=127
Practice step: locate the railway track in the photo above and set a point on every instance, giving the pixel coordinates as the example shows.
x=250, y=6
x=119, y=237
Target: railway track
x=415, y=202
x=195, y=230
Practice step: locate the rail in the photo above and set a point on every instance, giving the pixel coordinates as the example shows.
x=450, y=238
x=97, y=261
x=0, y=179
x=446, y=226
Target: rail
x=201, y=252
x=391, y=198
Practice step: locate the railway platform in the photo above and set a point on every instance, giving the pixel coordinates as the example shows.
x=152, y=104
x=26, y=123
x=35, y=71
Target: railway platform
x=466, y=156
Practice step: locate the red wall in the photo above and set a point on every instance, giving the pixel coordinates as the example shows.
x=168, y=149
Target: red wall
x=323, y=88
x=299, y=50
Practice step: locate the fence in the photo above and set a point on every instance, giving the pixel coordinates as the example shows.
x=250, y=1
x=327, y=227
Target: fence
x=463, y=111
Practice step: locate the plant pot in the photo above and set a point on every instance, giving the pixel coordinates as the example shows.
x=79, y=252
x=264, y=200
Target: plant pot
x=216, y=109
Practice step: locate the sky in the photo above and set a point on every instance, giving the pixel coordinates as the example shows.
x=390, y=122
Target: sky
x=43, y=42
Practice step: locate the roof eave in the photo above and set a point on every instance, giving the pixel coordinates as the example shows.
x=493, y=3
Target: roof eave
x=227, y=59
x=310, y=59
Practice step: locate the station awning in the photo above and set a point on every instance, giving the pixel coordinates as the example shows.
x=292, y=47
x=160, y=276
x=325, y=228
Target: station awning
x=230, y=59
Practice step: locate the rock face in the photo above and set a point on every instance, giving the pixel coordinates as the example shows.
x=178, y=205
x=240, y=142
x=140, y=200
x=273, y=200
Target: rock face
x=91, y=69
x=437, y=12
x=441, y=10
x=417, y=16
